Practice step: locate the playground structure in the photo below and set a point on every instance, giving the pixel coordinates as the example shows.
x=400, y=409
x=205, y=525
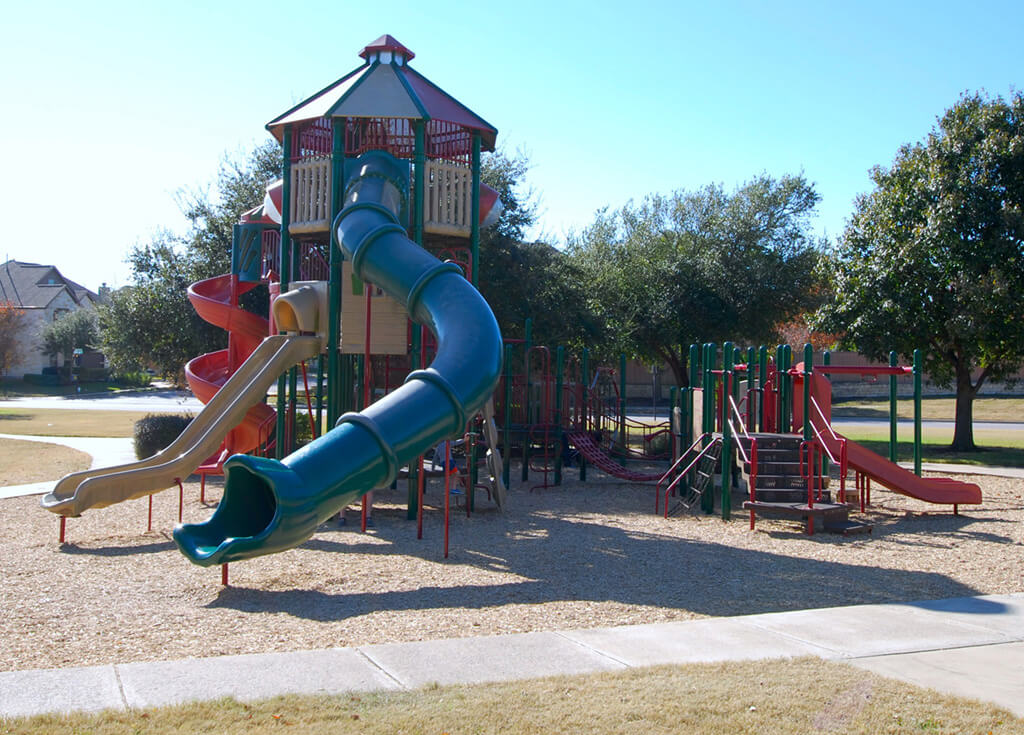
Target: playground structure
x=368, y=230
x=742, y=420
x=386, y=166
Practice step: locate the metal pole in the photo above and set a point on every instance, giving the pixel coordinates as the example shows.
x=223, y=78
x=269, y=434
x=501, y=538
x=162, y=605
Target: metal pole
x=918, y=370
x=728, y=353
x=585, y=408
x=334, y=260
x=506, y=469
x=559, y=368
x=893, y=362
x=528, y=334
x=808, y=367
x=474, y=223
x=762, y=379
x=285, y=276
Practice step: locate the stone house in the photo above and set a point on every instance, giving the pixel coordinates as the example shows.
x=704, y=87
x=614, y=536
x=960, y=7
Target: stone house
x=43, y=294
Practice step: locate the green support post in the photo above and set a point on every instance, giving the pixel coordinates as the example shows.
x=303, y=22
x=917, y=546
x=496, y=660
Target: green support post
x=751, y=394
x=506, y=469
x=320, y=394
x=623, y=435
x=728, y=354
x=826, y=360
x=893, y=453
x=527, y=344
x=585, y=377
x=808, y=368
x=559, y=374
x=474, y=221
x=334, y=260
x=673, y=403
x=787, y=390
x=918, y=370
x=360, y=382
x=694, y=381
x=710, y=360
x=280, y=450
x=762, y=383
x=415, y=349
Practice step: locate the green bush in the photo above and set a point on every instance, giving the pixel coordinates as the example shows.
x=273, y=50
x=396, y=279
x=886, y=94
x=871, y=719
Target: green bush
x=156, y=431
x=45, y=379
x=303, y=429
x=92, y=374
x=138, y=379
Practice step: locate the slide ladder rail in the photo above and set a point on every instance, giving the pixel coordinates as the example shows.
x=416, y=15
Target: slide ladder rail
x=678, y=476
x=269, y=505
x=703, y=465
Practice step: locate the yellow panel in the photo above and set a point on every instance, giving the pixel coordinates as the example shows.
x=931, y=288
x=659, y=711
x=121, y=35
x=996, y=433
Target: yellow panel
x=389, y=332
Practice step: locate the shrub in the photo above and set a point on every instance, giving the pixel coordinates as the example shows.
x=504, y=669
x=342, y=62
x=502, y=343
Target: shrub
x=92, y=374
x=138, y=379
x=156, y=431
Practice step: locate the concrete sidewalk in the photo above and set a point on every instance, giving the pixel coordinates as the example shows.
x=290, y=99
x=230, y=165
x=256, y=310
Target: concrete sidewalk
x=971, y=646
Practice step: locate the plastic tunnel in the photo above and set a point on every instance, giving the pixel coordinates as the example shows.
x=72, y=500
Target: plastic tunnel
x=268, y=505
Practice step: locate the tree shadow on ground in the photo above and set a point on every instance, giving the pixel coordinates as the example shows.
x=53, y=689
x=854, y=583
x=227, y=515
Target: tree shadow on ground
x=639, y=569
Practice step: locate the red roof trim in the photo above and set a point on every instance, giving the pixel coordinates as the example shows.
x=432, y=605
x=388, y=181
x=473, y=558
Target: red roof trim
x=387, y=42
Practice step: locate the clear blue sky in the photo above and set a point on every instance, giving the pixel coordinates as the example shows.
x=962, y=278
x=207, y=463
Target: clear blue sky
x=109, y=108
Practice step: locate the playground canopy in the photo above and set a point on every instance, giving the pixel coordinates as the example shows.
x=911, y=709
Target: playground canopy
x=386, y=87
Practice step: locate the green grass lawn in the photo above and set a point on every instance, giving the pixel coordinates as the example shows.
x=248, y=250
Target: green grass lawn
x=997, y=408
x=996, y=448
x=20, y=389
x=796, y=696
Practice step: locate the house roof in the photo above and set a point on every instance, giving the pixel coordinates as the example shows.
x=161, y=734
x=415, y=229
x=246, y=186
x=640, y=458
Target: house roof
x=34, y=286
x=385, y=86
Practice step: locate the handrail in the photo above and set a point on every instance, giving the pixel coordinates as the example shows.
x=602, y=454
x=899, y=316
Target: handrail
x=842, y=448
x=685, y=472
x=670, y=470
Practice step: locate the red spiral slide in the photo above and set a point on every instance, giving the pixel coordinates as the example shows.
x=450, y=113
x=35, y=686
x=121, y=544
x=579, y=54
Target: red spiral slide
x=216, y=301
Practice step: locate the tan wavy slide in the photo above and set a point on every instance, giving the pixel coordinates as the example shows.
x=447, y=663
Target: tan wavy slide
x=98, y=488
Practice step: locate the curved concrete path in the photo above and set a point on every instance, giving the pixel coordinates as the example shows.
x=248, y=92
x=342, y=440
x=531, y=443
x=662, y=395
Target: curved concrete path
x=105, y=452
x=971, y=646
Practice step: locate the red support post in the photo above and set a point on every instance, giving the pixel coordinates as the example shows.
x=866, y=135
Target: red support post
x=63, y=527
x=224, y=575
x=149, y=524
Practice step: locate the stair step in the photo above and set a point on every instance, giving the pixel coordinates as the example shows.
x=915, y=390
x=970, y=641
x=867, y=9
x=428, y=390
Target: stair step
x=799, y=510
x=786, y=482
x=786, y=495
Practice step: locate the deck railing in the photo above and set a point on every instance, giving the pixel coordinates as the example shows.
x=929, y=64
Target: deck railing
x=449, y=198
x=311, y=195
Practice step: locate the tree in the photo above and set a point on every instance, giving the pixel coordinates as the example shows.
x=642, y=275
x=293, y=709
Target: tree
x=706, y=265
x=12, y=320
x=151, y=321
x=522, y=279
x=74, y=330
x=933, y=258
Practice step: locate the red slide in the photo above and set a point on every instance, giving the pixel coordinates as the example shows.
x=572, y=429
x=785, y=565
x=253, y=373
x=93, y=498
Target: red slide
x=216, y=301
x=862, y=459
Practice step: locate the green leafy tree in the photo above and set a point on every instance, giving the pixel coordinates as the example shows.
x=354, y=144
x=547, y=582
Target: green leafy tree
x=150, y=321
x=523, y=279
x=933, y=258
x=12, y=321
x=706, y=265
x=74, y=330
